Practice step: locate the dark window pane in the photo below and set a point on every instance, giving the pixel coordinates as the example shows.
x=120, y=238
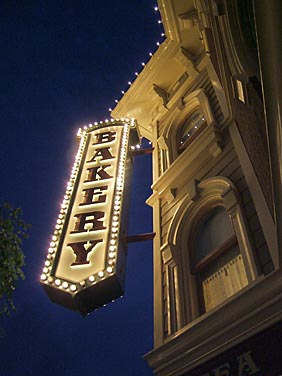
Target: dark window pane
x=191, y=126
x=213, y=232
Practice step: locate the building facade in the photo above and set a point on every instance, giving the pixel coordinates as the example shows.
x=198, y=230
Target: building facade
x=209, y=100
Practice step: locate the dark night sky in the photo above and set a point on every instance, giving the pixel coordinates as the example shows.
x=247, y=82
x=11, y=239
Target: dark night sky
x=63, y=64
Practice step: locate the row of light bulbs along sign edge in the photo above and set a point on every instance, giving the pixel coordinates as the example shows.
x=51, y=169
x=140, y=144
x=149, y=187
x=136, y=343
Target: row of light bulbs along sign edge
x=85, y=264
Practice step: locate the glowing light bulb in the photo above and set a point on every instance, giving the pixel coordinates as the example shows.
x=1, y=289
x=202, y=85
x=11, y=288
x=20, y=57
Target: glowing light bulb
x=101, y=274
x=65, y=285
x=73, y=288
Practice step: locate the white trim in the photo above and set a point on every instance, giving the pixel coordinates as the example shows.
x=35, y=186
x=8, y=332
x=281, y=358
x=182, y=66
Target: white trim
x=265, y=217
x=212, y=191
x=253, y=309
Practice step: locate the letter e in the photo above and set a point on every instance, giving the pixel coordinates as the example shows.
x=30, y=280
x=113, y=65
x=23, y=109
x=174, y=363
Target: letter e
x=223, y=370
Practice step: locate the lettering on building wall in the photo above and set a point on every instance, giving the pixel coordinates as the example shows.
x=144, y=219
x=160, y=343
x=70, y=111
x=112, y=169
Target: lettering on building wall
x=243, y=365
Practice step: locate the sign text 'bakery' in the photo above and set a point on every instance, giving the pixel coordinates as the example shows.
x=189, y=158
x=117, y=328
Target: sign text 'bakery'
x=85, y=264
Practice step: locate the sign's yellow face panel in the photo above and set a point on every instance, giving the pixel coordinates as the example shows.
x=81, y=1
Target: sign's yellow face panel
x=85, y=264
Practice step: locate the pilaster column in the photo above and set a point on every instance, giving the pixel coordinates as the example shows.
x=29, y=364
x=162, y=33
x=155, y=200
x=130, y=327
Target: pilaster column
x=268, y=18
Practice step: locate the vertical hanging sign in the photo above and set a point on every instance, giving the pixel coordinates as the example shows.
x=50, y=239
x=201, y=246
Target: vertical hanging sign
x=85, y=264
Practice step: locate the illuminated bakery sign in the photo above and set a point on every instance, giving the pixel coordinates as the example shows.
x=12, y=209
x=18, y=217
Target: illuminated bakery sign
x=85, y=264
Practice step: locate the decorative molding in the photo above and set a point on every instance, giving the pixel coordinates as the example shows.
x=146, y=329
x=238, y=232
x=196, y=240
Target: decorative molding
x=203, y=12
x=142, y=87
x=166, y=253
x=213, y=191
x=177, y=174
x=162, y=142
x=188, y=20
x=169, y=194
x=264, y=214
x=192, y=190
x=161, y=93
x=190, y=57
x=253, y=309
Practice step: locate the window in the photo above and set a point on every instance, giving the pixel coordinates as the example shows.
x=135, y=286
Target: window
x=209, y=242
x=216, y=259
x=190, y=129
x=184, y=124
x=240, y=90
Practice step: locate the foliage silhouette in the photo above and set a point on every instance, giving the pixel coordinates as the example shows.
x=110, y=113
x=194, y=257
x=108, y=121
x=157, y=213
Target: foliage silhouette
x=13, y=230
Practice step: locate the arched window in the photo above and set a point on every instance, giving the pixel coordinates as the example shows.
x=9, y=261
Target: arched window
x=216, y=260
x=190, y=129
x=209, y=242
x=184, y=124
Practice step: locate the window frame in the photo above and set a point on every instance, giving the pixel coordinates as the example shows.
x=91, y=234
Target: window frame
x=196, y=100
x=199, y=268
x=213, y=255
x=209, y=193
x=194, y=135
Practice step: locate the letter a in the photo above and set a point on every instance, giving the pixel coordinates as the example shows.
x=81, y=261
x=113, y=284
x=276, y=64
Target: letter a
x=246, y=365
x=103, y=154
